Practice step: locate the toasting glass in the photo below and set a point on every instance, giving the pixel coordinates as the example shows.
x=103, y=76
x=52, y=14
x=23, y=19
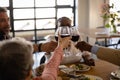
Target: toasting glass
x=75, y=34
x=63, y=31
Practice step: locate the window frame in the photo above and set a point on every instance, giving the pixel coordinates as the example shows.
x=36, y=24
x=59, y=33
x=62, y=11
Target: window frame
x=13, y=31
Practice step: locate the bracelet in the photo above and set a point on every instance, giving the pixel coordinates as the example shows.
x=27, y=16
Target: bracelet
x=39, y=47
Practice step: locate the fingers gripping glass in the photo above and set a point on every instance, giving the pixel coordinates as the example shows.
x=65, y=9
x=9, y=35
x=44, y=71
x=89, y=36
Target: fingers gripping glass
x=63, y=31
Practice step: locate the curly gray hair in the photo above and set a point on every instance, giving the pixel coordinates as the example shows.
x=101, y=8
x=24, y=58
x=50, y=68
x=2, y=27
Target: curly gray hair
x=64, y=21
x=15, y=59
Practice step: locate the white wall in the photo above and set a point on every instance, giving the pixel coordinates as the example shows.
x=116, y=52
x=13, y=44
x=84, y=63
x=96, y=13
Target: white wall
x=83, y=15
x=89, y=17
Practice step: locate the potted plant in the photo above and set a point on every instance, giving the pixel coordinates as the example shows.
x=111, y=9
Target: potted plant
x=109, y=18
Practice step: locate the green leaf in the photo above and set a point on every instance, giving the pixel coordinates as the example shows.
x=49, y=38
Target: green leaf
x=107, y=25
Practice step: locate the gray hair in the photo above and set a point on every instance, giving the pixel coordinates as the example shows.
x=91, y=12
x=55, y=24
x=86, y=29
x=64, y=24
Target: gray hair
x=64, y=21
x=15, y=59
x=3, y=9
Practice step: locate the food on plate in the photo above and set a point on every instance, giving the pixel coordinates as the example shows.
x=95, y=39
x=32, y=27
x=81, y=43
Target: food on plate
x=116, y=73
x=73, y=66
x=81, y=77
x=85, y=77
x=79, y=67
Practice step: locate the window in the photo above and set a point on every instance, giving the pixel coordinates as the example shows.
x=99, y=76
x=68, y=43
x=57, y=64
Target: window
x=32, y=16
x=4, y=3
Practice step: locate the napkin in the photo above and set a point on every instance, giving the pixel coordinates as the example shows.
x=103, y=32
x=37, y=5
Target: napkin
x=74, y=50
x=75, y=55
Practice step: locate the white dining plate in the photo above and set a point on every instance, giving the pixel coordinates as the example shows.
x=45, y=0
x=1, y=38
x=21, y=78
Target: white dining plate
x=112, y=78
x=116, y=73
x=87, y=77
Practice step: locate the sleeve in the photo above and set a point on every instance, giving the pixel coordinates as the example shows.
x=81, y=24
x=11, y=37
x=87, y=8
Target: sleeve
x=94, y=49
x=51, y=68
x=109, y=54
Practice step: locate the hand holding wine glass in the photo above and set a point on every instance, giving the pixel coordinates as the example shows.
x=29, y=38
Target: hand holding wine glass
x=63, y=42
x=63, y=31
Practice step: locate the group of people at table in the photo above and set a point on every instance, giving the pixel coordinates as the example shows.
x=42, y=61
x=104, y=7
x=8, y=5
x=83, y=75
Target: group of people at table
x=16, y=59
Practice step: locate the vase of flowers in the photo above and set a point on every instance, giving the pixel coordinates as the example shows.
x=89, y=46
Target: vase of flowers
x=109, y=18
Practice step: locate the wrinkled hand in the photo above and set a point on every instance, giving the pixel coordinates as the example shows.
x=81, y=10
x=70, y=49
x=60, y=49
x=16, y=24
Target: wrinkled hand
x=88, y=60
x=64, y=42
x=49, y=46
x=83, y=46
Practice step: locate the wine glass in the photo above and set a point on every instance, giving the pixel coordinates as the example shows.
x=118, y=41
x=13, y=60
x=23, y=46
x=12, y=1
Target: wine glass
x=63, y=31
x=75, y=34
x=56, y=33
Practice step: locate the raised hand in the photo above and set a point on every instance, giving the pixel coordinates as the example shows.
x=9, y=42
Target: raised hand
x=83, y=46
x=64, y=42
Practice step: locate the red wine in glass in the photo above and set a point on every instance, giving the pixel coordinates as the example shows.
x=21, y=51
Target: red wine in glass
x=63, y=31
x=75, y=34
x=56, y=38
x=62, y=36
x=75, y=38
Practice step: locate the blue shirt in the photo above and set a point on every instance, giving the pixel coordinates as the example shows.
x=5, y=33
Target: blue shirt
x=94, y=49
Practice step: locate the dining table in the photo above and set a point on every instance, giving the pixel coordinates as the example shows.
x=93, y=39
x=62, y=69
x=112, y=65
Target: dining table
x=101, y=69
x=107, y=37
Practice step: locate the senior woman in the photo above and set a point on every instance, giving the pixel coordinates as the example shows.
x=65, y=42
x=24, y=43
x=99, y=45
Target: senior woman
x=16, y=60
